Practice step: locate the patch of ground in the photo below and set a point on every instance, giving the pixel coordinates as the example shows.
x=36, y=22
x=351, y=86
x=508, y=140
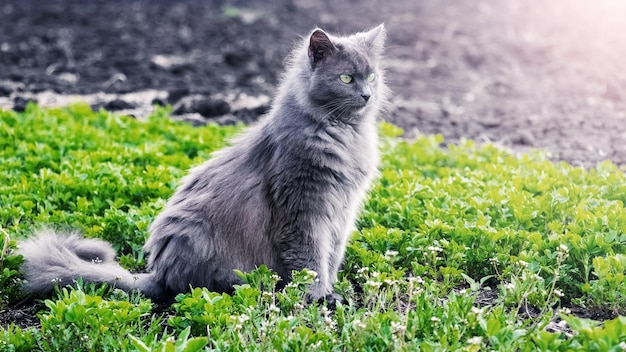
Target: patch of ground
x=549, y=76
x=22, y=314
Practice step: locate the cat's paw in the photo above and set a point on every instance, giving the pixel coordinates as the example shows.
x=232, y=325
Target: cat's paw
x=331, y=299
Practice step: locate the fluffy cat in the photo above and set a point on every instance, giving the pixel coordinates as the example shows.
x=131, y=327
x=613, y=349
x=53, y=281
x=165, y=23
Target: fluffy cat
x=285, y=194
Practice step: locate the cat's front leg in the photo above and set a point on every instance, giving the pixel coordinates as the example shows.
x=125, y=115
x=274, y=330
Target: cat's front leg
x=301, y=250
x=337, y=255
x=322, y=289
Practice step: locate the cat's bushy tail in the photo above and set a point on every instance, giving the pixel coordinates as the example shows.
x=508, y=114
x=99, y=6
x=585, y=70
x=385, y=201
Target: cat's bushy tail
x=52, y=258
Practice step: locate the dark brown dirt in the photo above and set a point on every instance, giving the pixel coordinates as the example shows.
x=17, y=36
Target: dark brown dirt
x=510, y=71
x=23, y=314
x=523, y=74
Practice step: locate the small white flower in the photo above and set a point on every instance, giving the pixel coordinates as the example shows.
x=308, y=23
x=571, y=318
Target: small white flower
x=390, y=255
x=397, y=327
x=435, y=319
x=264, y=325
x=476, y=340
x=359, y=324
x=243, y=318
x=509, y=286
x=435, y=249
x=311, y=272
x=274, y=309
x=522, y=263
x=416, y=279
x=317, y=345
x=494, y=260
x=622, y=345
x=328, y=321
x=565, y=311
x=563, y=248
x=476, y=310
x=373, y=284
x=558, y=293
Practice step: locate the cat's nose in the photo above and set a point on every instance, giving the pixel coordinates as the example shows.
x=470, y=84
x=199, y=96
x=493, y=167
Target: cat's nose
x=365, y=96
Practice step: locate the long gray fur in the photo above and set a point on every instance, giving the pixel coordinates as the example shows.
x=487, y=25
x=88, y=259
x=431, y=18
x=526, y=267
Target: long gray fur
x=285, y=194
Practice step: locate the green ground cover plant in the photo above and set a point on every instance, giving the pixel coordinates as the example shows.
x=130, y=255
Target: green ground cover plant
x=441, y=228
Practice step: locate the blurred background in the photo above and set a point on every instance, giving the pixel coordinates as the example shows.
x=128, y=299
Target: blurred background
x=523, y=74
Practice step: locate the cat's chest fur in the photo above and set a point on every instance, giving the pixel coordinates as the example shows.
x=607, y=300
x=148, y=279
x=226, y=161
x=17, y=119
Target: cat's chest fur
x=323, y=167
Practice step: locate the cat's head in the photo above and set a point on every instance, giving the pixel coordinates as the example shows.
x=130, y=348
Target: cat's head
x=344, y=74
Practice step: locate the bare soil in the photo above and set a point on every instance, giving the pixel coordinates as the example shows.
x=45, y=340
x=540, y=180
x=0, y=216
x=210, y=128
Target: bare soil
x=516, y=72
x=549, y=76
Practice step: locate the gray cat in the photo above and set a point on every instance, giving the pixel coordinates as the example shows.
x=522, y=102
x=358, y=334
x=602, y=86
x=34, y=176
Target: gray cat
x=286, y=193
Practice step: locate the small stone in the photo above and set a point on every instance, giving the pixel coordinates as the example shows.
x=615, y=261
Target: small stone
x=209, y=108
x=5, y=89
x=248, y=116
x=174, y=95
x=113, y=105
x=68, y=78
x=170, y=62
x=158, y=101
x=118, y=104
x=206, y=107
x=524, y=137
x=237, y=58
x=19, y=103
x=490, y=122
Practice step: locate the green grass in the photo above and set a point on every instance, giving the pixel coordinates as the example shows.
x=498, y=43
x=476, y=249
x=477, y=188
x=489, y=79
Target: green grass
x=440, y=226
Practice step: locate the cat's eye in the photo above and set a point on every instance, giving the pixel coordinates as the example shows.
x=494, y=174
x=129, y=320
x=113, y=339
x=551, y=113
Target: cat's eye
x=345, y=78
x=371, y=77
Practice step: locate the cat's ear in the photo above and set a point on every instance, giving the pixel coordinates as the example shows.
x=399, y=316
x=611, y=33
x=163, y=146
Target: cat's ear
x=320, y=46
x=375, y=38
